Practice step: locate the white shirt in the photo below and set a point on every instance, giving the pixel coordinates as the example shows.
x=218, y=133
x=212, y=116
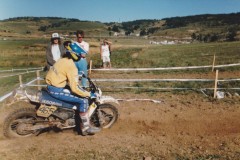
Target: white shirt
x=84, y=45
x=56, y=52
x=105, y=50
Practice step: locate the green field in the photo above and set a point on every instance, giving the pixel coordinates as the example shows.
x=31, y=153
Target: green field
x=127, y=53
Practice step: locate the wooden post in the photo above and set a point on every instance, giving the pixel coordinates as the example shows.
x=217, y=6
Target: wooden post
x=90, y=67
x=214, y=57
x=215, y=87
x=38, y=79
x=20, y=80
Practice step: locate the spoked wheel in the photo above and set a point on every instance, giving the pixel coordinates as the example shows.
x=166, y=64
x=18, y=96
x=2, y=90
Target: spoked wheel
x=107, y=115
x=19, y=123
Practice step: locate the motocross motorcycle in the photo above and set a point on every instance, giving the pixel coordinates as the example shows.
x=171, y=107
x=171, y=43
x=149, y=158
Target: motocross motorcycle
x=42, y=112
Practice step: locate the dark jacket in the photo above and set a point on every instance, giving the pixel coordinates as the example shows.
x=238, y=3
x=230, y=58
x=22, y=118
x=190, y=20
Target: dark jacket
x=50, y=61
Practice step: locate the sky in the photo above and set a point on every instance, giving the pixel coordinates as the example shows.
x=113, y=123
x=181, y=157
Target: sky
x=115, y=10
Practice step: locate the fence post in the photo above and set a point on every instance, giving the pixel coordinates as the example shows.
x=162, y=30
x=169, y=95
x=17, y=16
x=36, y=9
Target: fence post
x=20, y=80
x=38, y=79
x=90, y=67
x=215, y=87
x=214, y=57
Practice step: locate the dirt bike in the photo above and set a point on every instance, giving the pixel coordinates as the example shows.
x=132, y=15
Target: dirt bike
x=45, y=113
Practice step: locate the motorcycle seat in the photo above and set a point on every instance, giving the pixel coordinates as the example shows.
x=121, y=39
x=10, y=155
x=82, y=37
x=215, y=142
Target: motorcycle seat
x=46, y=98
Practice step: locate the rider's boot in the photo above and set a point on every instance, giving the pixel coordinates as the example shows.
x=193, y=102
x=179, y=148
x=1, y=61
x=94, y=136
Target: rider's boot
x=86, y=127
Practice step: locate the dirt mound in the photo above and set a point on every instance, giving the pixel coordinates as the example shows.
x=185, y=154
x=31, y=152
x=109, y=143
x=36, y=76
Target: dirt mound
x=187, y=126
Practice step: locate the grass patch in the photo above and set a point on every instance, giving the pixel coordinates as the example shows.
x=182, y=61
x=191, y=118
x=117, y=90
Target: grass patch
x=129, y=53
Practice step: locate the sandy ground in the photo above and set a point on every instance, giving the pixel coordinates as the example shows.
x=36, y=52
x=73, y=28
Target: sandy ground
x=183, y=126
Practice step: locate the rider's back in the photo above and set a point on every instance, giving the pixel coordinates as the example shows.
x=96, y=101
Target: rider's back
x=62, y=71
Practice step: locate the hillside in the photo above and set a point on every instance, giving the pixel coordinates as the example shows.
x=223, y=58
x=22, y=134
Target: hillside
x=207, y=27
x=204, y=28
x=41, y=26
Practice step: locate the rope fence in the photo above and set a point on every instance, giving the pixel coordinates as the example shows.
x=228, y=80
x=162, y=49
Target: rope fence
x=28, y=70
x=213, y=66
x=216, y=80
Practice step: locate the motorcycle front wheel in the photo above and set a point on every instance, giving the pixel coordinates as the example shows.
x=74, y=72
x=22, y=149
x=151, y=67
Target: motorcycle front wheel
x=18, y=122
x=105, y=117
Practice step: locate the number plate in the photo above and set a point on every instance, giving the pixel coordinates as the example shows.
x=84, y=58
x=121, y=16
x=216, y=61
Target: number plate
x=46, y=111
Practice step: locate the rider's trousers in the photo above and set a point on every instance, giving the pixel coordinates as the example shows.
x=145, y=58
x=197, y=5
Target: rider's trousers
x=66, y=95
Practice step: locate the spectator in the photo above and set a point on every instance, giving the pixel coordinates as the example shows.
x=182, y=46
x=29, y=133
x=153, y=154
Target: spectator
x=105, y=51
x=82, y=63
x=55, y=50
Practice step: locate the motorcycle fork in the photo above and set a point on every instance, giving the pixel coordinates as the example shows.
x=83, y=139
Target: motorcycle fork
x=100, y=116
x=92, y=108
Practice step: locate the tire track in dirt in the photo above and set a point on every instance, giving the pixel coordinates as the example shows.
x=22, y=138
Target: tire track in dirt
x=184, y=125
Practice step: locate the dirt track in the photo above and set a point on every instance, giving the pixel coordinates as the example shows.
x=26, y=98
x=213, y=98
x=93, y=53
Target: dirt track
x=183, y=126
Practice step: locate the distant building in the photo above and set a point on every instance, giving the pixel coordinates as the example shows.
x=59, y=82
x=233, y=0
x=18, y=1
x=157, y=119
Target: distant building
x=116, y=34
x=166, y=42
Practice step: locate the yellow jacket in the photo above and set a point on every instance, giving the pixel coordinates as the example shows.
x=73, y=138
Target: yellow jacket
x=64, y=71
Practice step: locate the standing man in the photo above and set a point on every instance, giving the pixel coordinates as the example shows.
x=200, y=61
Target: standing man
x=82, y=63
x=55, y=50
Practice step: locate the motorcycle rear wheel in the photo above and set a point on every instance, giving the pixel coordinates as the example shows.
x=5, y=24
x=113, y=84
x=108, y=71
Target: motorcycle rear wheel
x=17, y=121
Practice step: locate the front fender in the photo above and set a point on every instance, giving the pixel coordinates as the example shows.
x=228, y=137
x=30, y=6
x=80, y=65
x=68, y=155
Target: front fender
x=108, y=99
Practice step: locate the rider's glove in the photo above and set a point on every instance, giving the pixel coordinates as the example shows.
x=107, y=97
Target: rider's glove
x=81, y=74
x=93, y=95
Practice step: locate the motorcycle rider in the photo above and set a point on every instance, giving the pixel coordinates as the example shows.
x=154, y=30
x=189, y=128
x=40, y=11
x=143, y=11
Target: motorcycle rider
x=64, y=72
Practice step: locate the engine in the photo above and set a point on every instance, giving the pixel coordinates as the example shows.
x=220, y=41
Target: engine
x=64, y=114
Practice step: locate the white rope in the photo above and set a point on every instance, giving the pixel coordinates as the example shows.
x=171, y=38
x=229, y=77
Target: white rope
x=228, y=80
x=21, y=69
x=166, y=68
x=31, y=81
x=150, y=88
x=134, y=69
x=133, y=80
x=160, y=80
x=150, y=80
x=143, y=80
x=5, y=96
x=17, y=74
x=151, y=100
x=13, y=75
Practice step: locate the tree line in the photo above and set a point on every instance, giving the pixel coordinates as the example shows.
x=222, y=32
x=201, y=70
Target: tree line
x=229, y=25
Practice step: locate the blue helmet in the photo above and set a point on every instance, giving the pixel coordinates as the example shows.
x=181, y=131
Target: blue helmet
x=75, y=51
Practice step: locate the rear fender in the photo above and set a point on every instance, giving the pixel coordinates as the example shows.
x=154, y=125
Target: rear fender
x=20, y=94
x=34, y=97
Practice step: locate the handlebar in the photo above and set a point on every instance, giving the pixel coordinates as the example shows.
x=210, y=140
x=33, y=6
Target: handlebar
x=92, y=85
